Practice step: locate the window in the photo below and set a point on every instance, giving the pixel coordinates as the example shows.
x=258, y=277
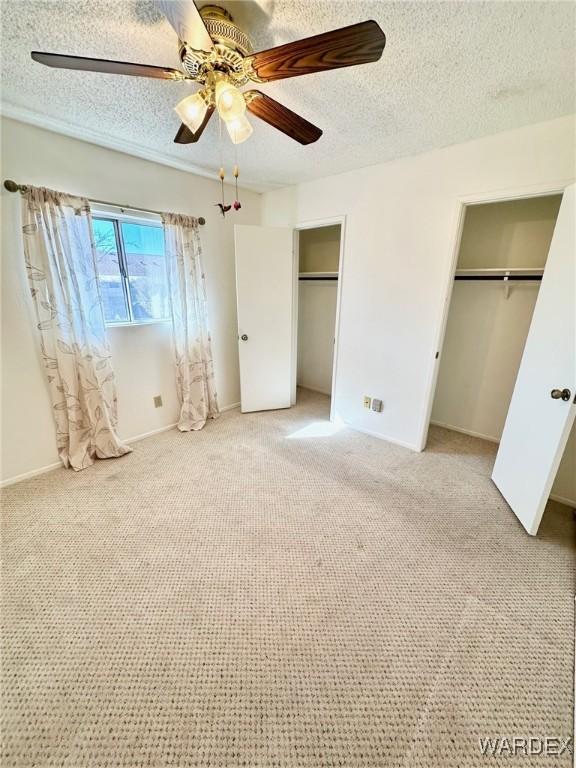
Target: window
x=131, y=269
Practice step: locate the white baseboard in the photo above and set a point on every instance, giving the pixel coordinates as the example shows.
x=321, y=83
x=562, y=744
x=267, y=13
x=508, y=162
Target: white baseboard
x=27, y=475
x=386, y=439
x=129, y=440
x=563, y=500
x=225, y=408
x=314, y=389
x=465, y=431
x=144, y=435
x=58, y=464
x=553, y=496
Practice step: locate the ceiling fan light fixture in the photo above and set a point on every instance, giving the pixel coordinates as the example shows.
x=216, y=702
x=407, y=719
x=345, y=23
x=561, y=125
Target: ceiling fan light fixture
x=218, y=55
x=229, y=101
x=239, y=129
x=192, y=110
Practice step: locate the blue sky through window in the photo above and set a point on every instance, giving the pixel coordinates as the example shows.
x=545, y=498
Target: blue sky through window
x=132, y=273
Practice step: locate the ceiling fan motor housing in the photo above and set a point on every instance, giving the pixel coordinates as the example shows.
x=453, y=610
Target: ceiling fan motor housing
x=231, y=45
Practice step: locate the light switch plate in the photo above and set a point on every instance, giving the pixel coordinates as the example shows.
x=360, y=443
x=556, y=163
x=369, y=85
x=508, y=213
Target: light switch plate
x=367, y=401
x=376, y=405
x=158, y=401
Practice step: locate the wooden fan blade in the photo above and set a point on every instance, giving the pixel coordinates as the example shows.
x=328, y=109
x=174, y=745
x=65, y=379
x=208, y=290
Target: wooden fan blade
x=185, y=135
x=345, y=47
x=106, y=66
x=187, y=23
x=282, y=118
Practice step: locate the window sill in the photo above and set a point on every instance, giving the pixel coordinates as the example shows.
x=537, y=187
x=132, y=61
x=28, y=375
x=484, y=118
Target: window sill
x=138, y=324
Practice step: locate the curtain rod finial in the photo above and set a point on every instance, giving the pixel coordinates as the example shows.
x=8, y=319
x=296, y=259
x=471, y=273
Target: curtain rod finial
x=201, y=220
x=11, y=186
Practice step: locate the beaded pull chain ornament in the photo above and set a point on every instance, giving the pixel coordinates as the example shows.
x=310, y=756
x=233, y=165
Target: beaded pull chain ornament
x=237, y=204
x=223, y=207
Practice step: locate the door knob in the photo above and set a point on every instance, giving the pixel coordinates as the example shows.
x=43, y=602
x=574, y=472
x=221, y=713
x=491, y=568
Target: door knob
x=244, y=337
x=560, y=394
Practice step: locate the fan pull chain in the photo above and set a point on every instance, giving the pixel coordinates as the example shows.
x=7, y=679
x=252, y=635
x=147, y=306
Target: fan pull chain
x=222, y=175
x=237, y=203
x=223, y=207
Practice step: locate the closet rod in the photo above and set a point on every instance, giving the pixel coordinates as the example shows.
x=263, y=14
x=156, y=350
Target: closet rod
x=335, y=277
x=12, y=186
x=504, y=278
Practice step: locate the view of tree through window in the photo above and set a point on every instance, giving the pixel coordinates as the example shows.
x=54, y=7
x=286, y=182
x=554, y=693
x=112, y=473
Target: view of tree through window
x=131, y=270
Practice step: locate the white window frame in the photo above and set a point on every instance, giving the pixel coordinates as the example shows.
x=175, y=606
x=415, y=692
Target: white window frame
x=118, y=215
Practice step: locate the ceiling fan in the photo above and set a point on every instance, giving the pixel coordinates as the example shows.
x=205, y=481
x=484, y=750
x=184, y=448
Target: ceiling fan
x=218, y=55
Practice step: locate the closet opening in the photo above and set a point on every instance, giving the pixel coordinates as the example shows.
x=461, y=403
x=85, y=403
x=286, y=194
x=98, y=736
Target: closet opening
x=318, y=250
x=500, y=265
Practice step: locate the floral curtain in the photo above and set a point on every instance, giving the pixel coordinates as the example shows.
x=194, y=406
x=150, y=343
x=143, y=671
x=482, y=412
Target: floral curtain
x=61, y=264
x=194, y=366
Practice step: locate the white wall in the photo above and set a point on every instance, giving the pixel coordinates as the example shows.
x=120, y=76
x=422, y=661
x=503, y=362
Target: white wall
x=142, y=356
x=512, y=233
x=319, y=249
x=401, y=226
x=564, y=488
x=316, y=327
x=483, y=346
x=486, y=331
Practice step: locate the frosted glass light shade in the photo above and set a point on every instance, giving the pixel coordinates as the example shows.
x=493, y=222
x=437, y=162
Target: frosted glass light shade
x=239, y=129
x=192, y=111
x=229, y=101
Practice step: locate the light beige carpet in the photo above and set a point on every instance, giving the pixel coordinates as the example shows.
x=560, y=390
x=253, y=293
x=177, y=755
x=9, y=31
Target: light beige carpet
x=249, y=596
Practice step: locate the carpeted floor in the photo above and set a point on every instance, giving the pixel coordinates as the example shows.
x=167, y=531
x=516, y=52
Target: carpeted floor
x=255, y=595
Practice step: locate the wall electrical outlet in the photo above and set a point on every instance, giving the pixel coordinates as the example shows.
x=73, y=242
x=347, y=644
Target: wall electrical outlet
x=158, y=401
x=367, y=401
x=376, y=405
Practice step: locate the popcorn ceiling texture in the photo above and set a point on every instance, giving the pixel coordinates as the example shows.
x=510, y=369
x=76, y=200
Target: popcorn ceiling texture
x=236, y=598
x=451, y=72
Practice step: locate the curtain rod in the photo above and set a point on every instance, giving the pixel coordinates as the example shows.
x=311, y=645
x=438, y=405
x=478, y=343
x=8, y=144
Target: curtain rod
x=11, y=186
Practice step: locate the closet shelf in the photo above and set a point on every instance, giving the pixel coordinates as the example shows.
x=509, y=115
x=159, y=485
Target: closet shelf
x=318, y=276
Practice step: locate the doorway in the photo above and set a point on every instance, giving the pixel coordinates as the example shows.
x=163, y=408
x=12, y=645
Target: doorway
x=501, y=260
x=318, y=256
x=268, y=282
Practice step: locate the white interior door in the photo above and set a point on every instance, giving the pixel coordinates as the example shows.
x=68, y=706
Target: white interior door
x=542, y=408
x=264, y=290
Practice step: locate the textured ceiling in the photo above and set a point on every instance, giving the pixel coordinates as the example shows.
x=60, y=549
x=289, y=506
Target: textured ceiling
x=450, y=72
